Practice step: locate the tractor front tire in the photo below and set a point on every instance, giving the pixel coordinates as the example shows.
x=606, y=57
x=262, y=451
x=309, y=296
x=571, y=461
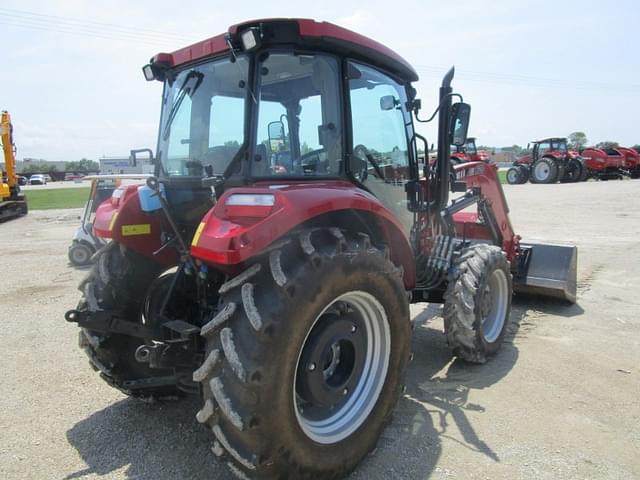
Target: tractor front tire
x=478, y=303
x=306, y=357
x=514, y=176
x=544, y=170
x=119, y=280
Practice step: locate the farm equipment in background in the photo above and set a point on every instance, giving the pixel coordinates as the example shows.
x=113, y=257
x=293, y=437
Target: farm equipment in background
x=550, y=161
x=468, y=153
x=85, y=243
x=604, y=164
x=270, y=263
x=13, y=202
x=631, y=162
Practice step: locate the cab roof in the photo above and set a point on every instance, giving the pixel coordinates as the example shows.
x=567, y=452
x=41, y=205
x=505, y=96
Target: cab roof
x=551, y=139
x=301, y=33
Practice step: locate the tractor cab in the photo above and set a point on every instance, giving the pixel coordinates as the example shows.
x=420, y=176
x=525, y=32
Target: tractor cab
x=469, y=147
x=556, y=147
x=278, y=105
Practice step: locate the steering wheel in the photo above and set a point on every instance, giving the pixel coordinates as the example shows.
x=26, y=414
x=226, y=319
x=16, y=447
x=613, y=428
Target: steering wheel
x=362, y=153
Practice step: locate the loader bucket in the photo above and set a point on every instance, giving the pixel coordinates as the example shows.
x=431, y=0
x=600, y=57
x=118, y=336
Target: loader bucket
x=548, y=270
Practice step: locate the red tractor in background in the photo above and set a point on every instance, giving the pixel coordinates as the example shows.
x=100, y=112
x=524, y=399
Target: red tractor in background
x=468, y=153
x=269, y=264
x=550, y=161
x=604, y=164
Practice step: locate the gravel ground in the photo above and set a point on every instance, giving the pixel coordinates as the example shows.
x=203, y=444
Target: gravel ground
x=561, y=400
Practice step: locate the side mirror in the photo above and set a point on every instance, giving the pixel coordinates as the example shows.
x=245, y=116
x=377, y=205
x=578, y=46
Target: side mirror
x=388, y=102
x=133, y=156
x=460, y=116
x=276, y=135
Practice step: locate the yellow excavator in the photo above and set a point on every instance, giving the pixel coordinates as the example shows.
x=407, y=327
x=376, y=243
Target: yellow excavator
x=13, y=203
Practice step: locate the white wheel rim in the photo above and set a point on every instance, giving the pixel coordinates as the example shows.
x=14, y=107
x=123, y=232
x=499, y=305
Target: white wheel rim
x=80, y=254
x=541, y=171
x=494, y=317
x=353, y=413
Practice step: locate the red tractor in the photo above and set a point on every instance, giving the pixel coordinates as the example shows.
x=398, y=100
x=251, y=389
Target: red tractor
x=269, y=265
x=550, y=161
x=604, y=164
x=468, y=153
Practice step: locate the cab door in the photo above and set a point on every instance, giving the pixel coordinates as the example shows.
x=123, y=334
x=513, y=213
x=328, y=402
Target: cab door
x=381, y=157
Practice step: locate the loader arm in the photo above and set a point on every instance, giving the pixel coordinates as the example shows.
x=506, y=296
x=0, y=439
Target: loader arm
x=491, y=221
x=540, y=269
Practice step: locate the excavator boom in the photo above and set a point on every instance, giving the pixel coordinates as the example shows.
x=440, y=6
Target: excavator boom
x=12, y=202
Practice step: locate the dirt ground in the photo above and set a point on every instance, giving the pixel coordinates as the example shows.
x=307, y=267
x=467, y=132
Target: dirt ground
x=561, y=400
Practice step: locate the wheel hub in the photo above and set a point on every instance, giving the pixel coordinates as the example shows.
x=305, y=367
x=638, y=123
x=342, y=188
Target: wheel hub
x=331, y=363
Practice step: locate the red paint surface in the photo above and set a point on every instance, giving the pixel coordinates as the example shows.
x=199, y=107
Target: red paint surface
x=631, y=157
x=308, y=28
x=231, y=241
x=484, y=177
x=597, y=159
x=130, y=213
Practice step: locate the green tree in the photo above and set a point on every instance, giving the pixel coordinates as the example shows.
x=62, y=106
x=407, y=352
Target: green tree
x=35, y=168
x=636, y=148
x=607, y=144
x=577, y=140
x=515, y=149
x=82, y=165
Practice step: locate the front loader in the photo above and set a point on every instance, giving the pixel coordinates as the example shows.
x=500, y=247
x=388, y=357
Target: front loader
x=269, y=265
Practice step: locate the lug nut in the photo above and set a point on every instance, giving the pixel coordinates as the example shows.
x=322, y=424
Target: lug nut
x=345, y=391
x=312, y=367
x=353, y=328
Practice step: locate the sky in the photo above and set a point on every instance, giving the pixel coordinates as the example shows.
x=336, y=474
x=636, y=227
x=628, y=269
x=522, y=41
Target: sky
x=71, y=70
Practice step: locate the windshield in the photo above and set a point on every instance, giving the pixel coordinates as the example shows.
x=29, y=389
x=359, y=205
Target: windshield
x=299, y=123
x=202, y=126
x=560, y=146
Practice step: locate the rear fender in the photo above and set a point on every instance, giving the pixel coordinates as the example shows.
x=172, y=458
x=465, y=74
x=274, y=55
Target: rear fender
x=121, y=219
x=227, y=241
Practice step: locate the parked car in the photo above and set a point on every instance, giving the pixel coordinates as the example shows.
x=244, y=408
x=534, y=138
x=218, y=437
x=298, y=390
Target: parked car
x=73, y=176
x=22, y=180
x=38, y=179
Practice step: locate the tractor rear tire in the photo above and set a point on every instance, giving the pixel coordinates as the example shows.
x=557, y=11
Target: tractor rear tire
x=514, y=176
x=306, y=357
x=573, y=172
x=119, y=280
x=544, y=170
x=635, y=173
x=478, y=303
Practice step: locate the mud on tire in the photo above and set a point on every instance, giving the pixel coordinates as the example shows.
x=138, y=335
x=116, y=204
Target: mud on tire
x=478, y=303
x=257, y=379
x=119, y=280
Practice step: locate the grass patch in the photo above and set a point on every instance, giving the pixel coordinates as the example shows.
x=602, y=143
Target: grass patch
x=47, y=199
x=502, y=176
